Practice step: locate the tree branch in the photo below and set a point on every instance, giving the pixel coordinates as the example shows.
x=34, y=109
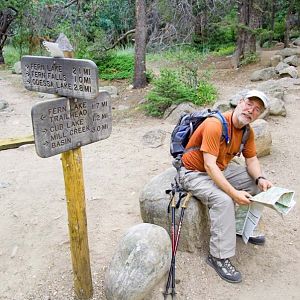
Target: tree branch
x=121, y=38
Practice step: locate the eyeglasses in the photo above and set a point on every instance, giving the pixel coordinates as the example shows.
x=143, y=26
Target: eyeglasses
x=252, y=105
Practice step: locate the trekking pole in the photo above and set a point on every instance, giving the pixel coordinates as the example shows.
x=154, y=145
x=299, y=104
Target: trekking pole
x=173, y=229
x=175, y=246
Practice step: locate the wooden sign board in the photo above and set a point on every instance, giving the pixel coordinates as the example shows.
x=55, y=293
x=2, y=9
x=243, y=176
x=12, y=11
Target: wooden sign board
x=63, y=124
x=76, y=78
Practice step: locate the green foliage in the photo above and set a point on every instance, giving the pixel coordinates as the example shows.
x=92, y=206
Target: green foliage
x=116, y=65
x=175, y=87
x=11, y=55
x=279, y=29
x=225, y=50
x=250, y=58
x=184, y=55
x=206, y=93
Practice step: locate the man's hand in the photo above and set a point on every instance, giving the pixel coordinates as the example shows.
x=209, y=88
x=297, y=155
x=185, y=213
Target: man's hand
x=241, y=197
x=264, y=184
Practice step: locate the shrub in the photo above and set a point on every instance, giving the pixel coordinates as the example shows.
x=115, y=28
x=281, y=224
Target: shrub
x=206, y=93
x=116, y=66
x=175, y=87
x=11, y=55
x=225, y=50
x=250, y=58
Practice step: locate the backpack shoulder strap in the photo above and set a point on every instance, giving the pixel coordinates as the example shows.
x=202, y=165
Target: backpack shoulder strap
x=217, y=114
x=246, y=133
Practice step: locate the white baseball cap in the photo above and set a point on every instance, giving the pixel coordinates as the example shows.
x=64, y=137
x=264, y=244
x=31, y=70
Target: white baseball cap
x=260, y=95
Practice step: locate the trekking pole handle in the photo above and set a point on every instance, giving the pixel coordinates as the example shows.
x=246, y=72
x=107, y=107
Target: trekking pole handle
x=186, y=200
x=173, y=201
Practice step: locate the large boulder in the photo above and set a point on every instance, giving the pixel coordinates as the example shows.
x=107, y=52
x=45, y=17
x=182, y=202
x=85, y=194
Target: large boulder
x=141, y=260
x=263, y=139
x=174, y=112
x=289, y=52
x=277, y=107
x=282, y=65
x=263, y=74
x=154, y=209
x=292, y=60
x=289, y=71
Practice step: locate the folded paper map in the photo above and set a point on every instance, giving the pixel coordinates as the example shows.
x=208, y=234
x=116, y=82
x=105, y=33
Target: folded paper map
x=247, y=216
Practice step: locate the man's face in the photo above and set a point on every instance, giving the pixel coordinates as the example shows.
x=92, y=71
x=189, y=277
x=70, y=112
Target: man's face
x=248, y=110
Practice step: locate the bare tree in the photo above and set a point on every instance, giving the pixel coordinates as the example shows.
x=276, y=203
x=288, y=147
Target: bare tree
x=140, y=79
x=287, y=23
x=7, y=15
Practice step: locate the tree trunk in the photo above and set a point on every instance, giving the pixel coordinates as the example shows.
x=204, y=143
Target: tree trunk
x=249, y=19
x=255, y=22
x=287, y=25
x=272, y=22
x=140, y=79
x=243, y=13
x=6, y=17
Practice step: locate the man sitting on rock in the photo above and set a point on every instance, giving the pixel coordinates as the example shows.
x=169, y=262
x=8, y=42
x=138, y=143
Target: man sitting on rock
x=206, y=173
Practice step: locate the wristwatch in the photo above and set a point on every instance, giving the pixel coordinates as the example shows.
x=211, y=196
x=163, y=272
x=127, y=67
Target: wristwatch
x=257, y=179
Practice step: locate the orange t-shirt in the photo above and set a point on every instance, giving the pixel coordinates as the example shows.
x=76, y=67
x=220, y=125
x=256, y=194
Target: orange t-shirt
x=208, y=136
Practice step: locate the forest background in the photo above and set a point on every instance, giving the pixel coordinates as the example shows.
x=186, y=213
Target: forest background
x=121, y=36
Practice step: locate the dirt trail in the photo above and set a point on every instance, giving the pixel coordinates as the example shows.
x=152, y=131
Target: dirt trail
x=34, y=249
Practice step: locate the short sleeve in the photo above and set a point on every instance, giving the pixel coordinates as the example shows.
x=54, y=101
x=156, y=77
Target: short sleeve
x=212, y=133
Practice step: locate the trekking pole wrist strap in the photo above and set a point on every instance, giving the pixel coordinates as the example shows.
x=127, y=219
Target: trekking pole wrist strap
x=257, y=179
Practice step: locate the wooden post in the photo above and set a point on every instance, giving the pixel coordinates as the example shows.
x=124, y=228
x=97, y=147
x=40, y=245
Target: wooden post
x=75, y=196
x=74, y=185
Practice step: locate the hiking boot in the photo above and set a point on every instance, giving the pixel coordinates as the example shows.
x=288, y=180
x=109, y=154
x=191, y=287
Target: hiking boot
x=225, y=269
x=256, y=240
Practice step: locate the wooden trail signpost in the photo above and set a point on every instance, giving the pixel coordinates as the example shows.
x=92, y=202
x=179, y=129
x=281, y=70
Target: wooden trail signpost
x=63, y=125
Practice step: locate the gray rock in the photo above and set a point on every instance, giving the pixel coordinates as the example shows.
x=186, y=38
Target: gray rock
x=292, y=60
x=154, y=203
x=289, y=52
x=4, y=185
x=283, y=85
x=296, y=42
x=3, y=104
x=275, y=60
x=289, y=71
x=263, y=74
x=141, y=260
x=277, y=107
x=281, y=66
x=112, y=90
x=237, y=97
x=17, y=68
x=64, y=43
x=154, y=138
x=174, y=112
x=263, y=139
x=222, y=106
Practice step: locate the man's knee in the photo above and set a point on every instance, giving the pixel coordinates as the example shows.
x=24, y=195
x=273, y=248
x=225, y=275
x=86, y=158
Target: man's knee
x=222, y=202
